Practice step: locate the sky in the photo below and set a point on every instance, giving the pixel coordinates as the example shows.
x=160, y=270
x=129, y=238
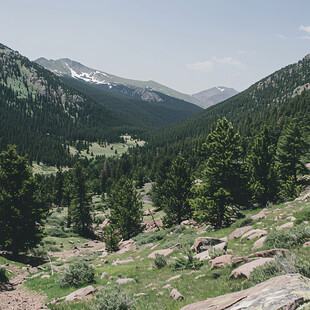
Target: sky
x=188, y=45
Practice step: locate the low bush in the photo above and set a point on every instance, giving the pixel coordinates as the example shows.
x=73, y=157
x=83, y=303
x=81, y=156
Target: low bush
x=112, y=298
x=3, y=276
x=186, y=263
x=214, y=252
x=150, y=237
x=303, y=215
x=303, y=267
x=78, y=273
x=243, y=222
x=160, y=261
x=288, y=238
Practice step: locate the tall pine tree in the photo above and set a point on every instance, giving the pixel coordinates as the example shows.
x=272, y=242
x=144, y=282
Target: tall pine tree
x=176, y=192
x=21, y=208
x=263, y=182
x=221, y=191
x=126, y=208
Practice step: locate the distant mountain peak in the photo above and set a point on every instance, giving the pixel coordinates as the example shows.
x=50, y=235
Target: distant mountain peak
x=145, y=90
x=214, y=95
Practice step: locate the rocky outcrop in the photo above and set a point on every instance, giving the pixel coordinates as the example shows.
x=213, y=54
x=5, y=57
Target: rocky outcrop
x=255, y=233
x=283, y=292
x=125, y=246
x=237, y=233
x=244, y=271
x=221, y=261
x=124, y=281
x=203, y=243
x=258, y=216
x=259, y=243
x=176, y=295
x=286, y=225
x=164, y=252
x=80, y=293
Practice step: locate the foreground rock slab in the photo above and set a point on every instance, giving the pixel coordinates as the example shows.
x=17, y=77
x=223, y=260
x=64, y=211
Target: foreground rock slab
x=80, y=293
x=237, y=233
x=283, y=292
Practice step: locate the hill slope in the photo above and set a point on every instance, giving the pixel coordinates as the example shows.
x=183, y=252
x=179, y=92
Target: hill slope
x=267, y=102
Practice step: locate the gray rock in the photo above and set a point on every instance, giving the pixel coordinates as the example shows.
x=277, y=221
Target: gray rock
x=176, y=295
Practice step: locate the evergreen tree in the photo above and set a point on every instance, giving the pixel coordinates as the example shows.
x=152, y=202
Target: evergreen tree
x=176, y=191
x=291, y=147
x=80, y=202
x=21, y=208
x=261, y=169
x=58, y=187
x=221, y=191
x=126, y=208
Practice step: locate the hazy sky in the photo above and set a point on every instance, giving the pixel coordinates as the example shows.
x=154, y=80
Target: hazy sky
x=189, y=45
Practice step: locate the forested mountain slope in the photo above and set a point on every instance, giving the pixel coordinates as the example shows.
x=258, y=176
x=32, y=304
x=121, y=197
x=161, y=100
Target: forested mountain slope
x=41, y=115
x=143, y=113
x=267, y=102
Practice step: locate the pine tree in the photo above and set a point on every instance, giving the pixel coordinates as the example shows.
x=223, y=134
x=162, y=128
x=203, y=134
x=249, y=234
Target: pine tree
x=58, y=187
x=80, y=202
x=176, y=191
x=126, y=208
x=21, y=208
x=222, y=188
x=291, y=146
x=263, y=182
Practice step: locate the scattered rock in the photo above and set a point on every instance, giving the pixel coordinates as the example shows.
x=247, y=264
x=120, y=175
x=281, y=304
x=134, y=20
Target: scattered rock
x=239, y=232
x=286, y=225
x=254, y=233
x=221, y=261
x=80, y=293
x=174, y=278
x=270, y=253
x=125, y=246
x=123, y=261
x=260, y=215
x=200, y=276
x=124, y=281
x=139, y=294
x=259, y=243
x=164, y=252
x=203, y=255
x=46, y=276
x=282, y=292
x=306, y=244
x=167, y=286
x=103, y=275
x=202, y=243
x=176, y=295
x=244, y=271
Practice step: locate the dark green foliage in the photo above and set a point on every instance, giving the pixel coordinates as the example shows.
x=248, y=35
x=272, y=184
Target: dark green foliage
x=21, y=208
x=3, y=276
x=160, y=261
x=264, y=273
x=150, y=237
x=287, y=238
x=303, y=215
x=80, y=201
x=111, y=238
x=112, y=298
x=77, y=274
x=291, y=147
x=291, y=188
x=190, y=262
x=176, y=192
x=221, y=190
x=263, y=181
x=58, y=187
x=126, y=209
x=243, y=222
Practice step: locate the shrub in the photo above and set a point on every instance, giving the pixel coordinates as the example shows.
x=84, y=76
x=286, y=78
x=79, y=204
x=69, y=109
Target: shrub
x=303, y=267
x=111, y=239
x=160, y=261
x=265, y=272
x=186, y=263
x=78, y=273
x=288, y=238
x=150, y=237
x=112, y=298
x=303, y=215
x=243, y=222
x=214, y=252
x=3, y=276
